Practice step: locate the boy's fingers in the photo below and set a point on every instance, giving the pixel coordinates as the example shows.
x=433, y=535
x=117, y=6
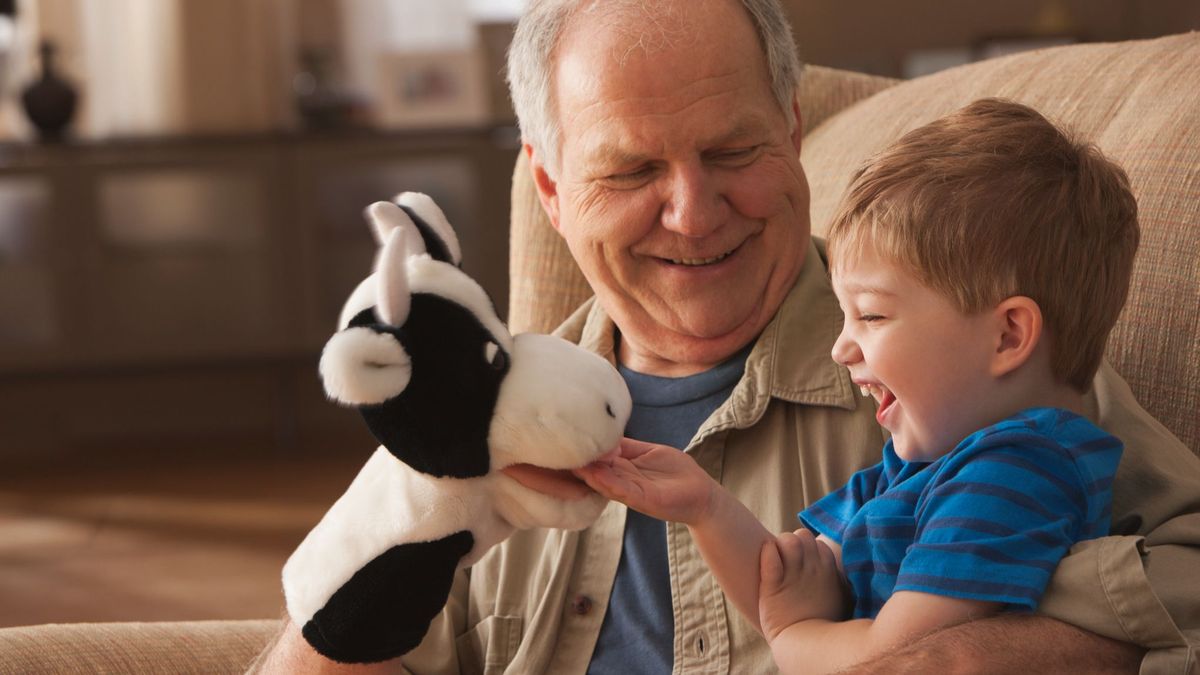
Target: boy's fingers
x=807, y=544
x=601, y=479
x=631, y=448
x=826, y=555
x=770, y=566
x=790, y=551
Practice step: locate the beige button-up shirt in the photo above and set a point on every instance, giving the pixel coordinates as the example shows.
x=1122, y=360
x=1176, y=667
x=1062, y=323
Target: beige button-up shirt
x=794, y=429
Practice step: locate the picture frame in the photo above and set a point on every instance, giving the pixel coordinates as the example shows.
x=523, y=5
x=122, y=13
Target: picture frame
x=434, y=88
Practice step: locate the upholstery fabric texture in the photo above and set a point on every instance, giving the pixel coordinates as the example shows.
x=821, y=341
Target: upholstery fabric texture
x=200, y=647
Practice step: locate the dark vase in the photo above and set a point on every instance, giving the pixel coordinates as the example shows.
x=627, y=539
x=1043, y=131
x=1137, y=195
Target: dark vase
x=50, y=100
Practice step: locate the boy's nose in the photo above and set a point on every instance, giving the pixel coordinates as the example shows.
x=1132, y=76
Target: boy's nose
x=845, y=350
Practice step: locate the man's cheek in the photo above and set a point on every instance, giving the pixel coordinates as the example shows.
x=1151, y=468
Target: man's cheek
x=772, y=190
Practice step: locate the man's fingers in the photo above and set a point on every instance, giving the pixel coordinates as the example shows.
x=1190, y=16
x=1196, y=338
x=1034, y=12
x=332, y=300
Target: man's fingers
x=560, y=484
x=600, y=477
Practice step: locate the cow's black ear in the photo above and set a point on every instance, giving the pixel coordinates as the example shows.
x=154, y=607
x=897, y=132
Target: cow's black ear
x=440, y=241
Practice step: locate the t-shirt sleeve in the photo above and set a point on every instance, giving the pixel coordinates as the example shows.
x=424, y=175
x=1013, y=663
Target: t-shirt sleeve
x=831, y=514
x=995, y=523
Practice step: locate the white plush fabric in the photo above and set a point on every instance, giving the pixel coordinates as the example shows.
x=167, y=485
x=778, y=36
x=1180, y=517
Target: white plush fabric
x=362, y=367
x=425, y=207
x=558, y=407
x=552, y=405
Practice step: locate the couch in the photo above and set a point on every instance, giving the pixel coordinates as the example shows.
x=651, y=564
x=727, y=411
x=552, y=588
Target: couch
x=1139, y=101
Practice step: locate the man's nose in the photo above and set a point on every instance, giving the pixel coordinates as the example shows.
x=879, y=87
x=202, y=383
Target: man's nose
x=845, y=350
x=693, y=205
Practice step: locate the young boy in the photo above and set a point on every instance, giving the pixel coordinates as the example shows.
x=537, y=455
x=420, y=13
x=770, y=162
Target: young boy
x=981, y=262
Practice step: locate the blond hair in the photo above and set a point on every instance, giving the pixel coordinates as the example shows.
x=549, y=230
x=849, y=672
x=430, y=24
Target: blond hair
x=994, y=201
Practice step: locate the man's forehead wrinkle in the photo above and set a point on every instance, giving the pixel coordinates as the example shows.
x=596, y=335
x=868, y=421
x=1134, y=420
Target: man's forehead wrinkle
x=676, y=101
x=641, y=30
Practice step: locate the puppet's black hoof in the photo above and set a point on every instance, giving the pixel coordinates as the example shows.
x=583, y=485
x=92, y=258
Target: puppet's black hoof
x=384, y=610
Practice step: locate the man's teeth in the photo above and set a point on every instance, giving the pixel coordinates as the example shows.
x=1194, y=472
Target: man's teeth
x=700, y=261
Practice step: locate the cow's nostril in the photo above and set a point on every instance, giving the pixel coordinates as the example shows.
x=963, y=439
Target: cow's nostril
x=608, y=409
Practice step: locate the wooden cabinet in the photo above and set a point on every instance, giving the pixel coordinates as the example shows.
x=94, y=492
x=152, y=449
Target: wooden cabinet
x=151, y=291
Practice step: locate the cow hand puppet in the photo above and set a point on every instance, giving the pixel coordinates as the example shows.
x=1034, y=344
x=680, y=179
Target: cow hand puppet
x=453, y=398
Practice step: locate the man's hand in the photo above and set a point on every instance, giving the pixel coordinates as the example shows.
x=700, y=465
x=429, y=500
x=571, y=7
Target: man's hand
x=290, y=653
x=799, y=580
x=657, y=480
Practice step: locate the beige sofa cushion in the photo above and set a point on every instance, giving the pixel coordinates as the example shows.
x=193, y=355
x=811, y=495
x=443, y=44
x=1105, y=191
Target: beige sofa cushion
x=545, y=285
x=1140, y=103
x=201, y=647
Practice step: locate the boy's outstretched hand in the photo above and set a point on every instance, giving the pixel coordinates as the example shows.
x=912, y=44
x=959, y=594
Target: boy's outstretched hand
x=799, y=580
x=658, y=480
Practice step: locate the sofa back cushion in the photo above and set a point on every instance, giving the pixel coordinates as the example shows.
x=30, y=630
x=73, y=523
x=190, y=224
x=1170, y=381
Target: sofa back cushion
x=1139, y=102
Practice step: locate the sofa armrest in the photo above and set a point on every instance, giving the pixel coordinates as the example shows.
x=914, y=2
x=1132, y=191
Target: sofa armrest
x=154, y=647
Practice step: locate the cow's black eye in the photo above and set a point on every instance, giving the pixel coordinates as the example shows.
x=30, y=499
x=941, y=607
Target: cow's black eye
x=496, y=357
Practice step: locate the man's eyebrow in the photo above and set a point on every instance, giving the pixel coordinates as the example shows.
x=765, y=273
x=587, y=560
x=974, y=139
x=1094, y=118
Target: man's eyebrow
x=610, y=154
x=746, y=128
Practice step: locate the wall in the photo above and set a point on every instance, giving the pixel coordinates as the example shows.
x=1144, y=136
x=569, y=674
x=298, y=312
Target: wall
x=874, y=35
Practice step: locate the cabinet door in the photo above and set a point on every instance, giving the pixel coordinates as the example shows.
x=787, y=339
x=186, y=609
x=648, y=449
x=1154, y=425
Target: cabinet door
x=30, y=320
x=184, y=264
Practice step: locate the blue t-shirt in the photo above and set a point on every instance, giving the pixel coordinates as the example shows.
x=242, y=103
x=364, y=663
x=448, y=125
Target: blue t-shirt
x=638, y=632
x=989, y=521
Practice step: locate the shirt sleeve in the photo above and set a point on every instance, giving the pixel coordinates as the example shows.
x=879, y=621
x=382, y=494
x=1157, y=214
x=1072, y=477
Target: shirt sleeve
x=995, y=521
x=831, y=514
x=1138, y=585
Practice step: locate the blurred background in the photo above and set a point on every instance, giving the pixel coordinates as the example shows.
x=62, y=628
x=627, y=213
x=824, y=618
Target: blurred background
x=181, y=188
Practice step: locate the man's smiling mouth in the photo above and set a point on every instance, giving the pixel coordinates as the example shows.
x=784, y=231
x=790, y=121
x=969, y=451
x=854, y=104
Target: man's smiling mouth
x=699, y=262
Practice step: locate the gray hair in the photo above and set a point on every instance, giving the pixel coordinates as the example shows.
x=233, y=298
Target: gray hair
x=531, y=62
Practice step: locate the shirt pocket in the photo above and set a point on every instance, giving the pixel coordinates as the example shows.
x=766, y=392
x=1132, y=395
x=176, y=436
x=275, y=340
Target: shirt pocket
x=489, y=647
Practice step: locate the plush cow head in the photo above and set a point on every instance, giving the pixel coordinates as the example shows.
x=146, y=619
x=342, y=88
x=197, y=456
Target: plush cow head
x=441, y=382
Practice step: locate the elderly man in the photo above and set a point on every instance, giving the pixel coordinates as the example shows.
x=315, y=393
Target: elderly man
x=664, y=141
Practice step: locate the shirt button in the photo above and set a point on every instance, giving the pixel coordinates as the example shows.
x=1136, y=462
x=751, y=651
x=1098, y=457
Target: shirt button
x=582, y=604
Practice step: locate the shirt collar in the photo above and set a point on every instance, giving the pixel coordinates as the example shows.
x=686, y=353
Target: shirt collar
x=791, y=358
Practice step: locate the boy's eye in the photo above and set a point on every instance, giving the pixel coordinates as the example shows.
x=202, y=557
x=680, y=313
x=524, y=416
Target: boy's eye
x=869, y=318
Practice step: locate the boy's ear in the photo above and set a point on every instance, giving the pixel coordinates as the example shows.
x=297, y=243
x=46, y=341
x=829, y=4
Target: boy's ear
x=1019, y=322
x=547, y=187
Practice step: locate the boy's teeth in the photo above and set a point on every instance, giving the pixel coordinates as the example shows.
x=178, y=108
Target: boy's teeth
x=866, y=390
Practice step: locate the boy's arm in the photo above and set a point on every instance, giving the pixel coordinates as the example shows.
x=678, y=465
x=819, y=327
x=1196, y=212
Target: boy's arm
x=822, y=646
x=667, y=484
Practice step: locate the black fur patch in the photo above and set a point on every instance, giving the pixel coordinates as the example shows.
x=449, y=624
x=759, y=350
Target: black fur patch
x=439, y=424
x=384, y=610
x=434, y=245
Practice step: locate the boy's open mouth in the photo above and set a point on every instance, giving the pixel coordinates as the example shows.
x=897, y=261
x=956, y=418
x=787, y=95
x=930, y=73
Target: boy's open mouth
x=883, y=396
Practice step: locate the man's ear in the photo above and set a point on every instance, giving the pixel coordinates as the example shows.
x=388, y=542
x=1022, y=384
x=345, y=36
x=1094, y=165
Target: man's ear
x=1019, y=324
x=798, y=132
x=547, y=187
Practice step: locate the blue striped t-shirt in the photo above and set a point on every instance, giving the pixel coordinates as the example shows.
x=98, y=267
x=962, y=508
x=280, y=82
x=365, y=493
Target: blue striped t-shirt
x=990, y=520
